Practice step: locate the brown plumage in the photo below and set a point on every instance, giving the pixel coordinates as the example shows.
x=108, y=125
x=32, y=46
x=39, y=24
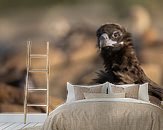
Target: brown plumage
x=120, y=61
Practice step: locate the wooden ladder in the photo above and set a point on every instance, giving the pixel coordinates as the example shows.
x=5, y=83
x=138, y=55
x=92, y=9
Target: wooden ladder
x=29, y=70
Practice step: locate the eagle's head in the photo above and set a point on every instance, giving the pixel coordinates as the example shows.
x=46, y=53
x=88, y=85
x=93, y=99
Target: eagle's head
x=112, y=36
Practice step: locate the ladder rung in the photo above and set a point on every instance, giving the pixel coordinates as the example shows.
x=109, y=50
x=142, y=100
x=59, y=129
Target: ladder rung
x=38, y=70
x=37, y=105
x=38, y=56
x=31, y=89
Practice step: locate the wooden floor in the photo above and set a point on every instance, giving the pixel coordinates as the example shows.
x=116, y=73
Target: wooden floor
x=10, y=121
x=18, y=126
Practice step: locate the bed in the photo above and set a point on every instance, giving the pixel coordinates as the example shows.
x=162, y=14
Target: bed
x=105, y=114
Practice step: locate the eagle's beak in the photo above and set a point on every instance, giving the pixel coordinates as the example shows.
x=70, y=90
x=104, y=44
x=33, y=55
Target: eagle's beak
x=105, y=41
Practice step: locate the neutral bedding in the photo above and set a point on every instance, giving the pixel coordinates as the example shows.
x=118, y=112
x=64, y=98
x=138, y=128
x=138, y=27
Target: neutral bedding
x=106, y=114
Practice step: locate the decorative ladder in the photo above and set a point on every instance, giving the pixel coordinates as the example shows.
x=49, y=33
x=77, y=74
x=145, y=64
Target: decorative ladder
x=29, y=70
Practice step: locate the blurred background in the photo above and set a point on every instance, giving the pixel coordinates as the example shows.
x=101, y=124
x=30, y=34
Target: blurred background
x=70, y=26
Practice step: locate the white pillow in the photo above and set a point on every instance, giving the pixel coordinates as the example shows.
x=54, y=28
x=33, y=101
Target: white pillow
x=142, y=93
x=71, y=93
x=103, y=95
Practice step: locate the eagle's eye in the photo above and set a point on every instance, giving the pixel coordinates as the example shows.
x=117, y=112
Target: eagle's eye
x=116, y=34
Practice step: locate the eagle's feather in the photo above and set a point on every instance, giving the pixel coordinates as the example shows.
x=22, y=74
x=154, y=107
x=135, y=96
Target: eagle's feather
x=120, y=62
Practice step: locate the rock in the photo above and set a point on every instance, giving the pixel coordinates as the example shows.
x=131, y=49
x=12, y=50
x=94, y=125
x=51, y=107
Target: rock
x=9, y=107
x=10, y=96
x=154, y=72
x=89, y=50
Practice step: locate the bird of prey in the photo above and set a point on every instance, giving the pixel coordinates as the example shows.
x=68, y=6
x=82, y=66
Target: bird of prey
x=120, y=61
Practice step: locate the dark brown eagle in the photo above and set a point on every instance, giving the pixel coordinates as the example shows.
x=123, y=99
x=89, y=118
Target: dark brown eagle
x=120, y=61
